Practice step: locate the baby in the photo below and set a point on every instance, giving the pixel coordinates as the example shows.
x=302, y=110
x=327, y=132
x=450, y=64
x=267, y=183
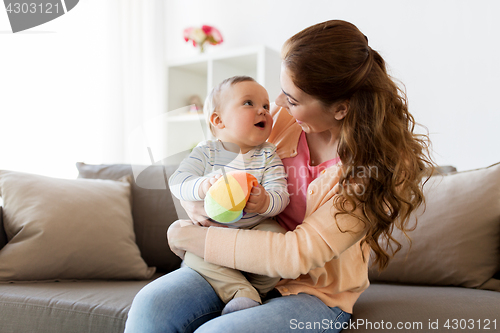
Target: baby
x=238, y=116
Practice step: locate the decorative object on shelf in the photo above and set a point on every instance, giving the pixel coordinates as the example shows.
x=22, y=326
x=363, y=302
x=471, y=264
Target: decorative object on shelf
x=200, y=36
x=196, y=105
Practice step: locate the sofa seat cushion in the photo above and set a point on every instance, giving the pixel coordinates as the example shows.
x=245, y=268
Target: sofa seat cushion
x=425, y=304
x=70, y=307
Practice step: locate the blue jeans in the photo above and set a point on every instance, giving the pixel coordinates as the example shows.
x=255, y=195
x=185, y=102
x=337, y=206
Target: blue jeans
x=182, y=301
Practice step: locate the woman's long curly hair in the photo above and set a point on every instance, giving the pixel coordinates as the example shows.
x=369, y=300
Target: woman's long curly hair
x=379, y=150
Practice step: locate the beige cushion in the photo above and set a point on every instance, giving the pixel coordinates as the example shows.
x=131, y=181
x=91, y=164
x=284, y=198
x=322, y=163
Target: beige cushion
x=61, y=229
x=3, y=236
x=153, y=209
x=457, y=239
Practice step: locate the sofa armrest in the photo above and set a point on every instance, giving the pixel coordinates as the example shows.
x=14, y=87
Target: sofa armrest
x=3, y=236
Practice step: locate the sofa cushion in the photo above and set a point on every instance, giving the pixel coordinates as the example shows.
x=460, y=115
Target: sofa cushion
x=414, y=308
x=68, y=229
x=3, y=236
x=152, y=208
x=457, y=238
x=69, y=307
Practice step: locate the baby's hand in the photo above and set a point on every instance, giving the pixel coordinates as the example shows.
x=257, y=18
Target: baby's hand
x=258, y=201
x=206, y=184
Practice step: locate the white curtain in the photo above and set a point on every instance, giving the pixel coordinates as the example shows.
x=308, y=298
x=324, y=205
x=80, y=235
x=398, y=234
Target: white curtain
x=138, y=63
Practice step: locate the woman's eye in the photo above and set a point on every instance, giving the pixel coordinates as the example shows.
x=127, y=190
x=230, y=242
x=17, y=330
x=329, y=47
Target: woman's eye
x=292, y=104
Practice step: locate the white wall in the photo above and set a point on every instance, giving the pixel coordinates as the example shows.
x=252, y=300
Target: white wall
x=445, y=52
x=58, y=81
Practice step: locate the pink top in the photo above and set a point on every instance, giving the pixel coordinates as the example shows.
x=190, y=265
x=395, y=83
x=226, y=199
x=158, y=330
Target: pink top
x=300, y=175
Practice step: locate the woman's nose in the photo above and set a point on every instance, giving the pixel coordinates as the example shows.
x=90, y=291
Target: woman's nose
x=281, y=100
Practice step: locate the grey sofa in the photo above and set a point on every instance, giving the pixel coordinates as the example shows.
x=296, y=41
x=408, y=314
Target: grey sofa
x=411, y=296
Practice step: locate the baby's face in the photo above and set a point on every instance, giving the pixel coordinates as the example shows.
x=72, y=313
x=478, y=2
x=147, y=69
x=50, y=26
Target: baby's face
x=245, y=115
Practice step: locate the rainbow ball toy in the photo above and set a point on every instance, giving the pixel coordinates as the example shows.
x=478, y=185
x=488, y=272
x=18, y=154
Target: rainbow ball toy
x=225, y=202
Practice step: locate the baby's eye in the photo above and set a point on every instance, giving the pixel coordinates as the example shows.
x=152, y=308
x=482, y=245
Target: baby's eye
x=266, y=107
x=248, y=103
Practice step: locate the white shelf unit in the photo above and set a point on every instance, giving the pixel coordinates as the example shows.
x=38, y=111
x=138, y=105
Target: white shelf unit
x=198, y=75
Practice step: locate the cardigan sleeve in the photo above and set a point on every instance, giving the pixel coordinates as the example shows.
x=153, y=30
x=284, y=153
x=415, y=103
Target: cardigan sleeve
x=318, y=240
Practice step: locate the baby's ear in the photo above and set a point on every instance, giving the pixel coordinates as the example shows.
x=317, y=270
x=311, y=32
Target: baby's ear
x=216, y=121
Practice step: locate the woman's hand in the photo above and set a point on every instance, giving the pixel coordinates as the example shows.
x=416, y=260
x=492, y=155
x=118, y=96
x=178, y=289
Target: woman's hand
x=183, y=235
x=258, y=201
x=197, y=214
x=171, y=239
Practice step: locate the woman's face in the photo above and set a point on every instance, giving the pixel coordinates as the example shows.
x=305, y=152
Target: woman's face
x=308, y=111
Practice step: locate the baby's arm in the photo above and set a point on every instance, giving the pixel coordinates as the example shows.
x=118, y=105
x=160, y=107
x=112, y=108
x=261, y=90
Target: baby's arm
x=270, y=198
x=188, y=182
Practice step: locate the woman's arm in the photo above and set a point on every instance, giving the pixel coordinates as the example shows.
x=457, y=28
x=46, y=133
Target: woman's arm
x=184, y=236
x=313, y=243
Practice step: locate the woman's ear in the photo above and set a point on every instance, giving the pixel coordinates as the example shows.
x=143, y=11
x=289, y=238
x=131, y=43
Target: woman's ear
x=216, y=121
x=340, y=110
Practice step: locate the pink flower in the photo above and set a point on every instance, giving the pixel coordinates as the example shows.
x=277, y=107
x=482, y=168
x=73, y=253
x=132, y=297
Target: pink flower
x=199, y=36
x=206, y=29
x=215, y=36
x=187, y=32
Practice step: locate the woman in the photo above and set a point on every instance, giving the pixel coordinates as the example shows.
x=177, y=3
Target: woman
x=344, y=133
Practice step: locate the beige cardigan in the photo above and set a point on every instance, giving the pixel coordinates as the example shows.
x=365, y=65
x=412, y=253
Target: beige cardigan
x=317, y=258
